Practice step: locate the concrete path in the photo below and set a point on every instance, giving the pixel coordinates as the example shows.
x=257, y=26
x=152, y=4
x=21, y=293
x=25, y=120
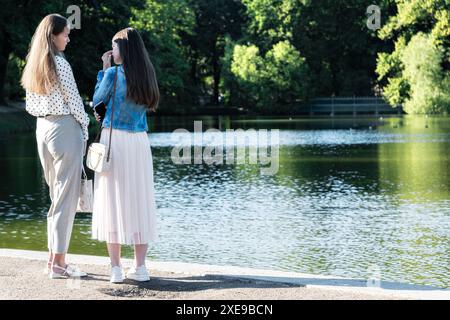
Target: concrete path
x=22, y=277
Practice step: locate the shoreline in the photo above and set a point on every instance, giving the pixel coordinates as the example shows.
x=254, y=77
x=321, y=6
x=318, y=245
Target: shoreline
x=14, y=119
x=22, y=277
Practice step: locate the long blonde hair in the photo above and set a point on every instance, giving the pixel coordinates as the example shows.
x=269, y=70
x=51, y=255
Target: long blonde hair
x=39, y=75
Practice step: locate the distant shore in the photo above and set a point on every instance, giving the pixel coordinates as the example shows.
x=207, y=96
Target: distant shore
x=14, y=119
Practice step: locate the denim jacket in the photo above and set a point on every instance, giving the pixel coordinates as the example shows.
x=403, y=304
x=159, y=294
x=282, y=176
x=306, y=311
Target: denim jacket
x=127, y=114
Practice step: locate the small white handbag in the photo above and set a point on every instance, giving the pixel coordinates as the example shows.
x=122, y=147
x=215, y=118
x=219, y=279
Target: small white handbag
x=86, y=199
x=98, y=156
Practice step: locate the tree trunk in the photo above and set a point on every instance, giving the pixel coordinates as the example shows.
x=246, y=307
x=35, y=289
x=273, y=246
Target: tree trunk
x=5, y=50
x=216, y=77
x=194, y=79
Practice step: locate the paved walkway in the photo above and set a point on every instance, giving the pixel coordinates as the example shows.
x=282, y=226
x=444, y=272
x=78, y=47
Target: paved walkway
x=22, y=277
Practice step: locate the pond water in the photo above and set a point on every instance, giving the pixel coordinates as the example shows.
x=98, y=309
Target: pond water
x=351, y=197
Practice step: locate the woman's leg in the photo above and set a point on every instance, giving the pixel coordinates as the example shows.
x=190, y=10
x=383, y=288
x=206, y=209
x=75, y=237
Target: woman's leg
x=59, y=259
x=67, y=164
x=60, y=149
x=56, y=259
x=140, y=252
x=50, y=259
x=114, y=253
x=49, y=174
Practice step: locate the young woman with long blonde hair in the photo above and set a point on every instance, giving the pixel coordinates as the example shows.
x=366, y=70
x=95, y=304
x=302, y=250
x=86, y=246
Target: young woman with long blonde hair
x=61, y=131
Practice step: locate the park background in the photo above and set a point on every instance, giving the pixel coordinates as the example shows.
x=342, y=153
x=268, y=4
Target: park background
x=268, y=56
x=363, y=186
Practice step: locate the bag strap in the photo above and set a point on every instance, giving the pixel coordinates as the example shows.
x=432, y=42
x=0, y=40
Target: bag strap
x=97, y=137
x=112, y=115
x=83, y=172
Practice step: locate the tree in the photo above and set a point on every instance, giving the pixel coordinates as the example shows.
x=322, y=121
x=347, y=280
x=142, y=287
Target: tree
x=429, y=87
x=99, y=22
x=278, y=77
x=164, y=25
x=215, y=19
x=417, y=71
x=331, y=34
x=15, y=37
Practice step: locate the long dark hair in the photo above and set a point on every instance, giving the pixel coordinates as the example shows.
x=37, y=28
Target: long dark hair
x=142, y=86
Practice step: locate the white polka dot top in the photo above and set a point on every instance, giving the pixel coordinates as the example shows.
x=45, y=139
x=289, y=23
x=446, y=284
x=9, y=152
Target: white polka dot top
x=62, y=100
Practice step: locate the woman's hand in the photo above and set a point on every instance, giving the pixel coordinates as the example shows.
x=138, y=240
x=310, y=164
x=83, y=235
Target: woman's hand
x=97, y=117
x=106, y=58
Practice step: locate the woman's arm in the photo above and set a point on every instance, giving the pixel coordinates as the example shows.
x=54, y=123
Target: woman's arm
x=104, y=86
x=71, y=95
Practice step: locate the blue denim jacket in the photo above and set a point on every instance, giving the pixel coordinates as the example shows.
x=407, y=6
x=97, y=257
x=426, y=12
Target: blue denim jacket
x=127, y=114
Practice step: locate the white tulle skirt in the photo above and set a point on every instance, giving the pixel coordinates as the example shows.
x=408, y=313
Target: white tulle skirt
x=124, y=197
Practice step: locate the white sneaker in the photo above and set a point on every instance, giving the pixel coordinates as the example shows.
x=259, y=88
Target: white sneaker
x=116, y=274
x=138, y=273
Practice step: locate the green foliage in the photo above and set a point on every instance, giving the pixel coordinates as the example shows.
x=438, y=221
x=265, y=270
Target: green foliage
x=99, y=23
x=429, y=85
x=216, y=20
x=271, y=21
x=163, y=23
x=396, y=91
x=13, y=89
x=263, y=54
x=278, y=77
x=417, y=72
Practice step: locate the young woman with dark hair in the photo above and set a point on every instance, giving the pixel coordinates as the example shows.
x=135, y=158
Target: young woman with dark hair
x=124, y=198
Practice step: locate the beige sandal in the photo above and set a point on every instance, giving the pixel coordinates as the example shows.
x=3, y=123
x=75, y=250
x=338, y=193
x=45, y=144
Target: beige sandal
x=67, y=272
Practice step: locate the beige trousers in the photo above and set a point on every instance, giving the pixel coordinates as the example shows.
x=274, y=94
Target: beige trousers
x=60, y=147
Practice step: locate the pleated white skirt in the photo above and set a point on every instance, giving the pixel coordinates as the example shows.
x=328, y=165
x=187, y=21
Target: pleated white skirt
x=124, y=209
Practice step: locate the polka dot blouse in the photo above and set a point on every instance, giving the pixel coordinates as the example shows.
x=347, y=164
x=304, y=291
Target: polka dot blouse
x=62, y=100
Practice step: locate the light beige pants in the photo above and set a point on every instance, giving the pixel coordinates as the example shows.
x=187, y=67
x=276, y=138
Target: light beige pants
x=60, y=147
